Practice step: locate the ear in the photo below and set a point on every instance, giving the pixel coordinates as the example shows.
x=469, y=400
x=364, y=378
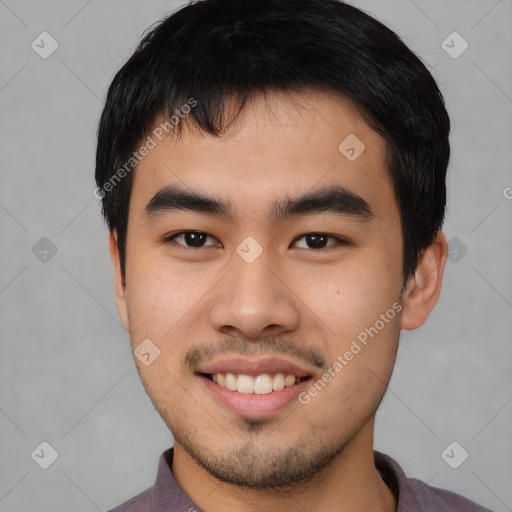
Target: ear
x=119, y=284
x=424, y=286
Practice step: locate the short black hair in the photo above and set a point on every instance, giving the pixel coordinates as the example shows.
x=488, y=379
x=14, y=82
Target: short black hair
x=211, y=52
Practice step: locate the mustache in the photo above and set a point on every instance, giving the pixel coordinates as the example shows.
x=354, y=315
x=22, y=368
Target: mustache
x=270, y=346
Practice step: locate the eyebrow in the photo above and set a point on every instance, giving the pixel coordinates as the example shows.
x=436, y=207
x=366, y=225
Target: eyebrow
x=333, y=199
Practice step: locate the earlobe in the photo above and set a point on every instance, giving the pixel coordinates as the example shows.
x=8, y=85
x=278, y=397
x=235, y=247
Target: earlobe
x=424, y=286
x=119, y=283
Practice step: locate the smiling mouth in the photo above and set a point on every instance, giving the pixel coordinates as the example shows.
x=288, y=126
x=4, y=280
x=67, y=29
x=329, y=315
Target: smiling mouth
x=258, y=384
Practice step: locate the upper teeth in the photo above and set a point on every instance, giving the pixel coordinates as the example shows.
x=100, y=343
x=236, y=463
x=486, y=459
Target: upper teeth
x=260, y=385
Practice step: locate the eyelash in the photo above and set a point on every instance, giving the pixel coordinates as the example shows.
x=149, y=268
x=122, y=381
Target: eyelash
x=339, y=241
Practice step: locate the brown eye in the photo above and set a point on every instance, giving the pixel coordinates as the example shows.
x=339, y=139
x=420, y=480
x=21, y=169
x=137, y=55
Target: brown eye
x=318, y=241
x=191, y=239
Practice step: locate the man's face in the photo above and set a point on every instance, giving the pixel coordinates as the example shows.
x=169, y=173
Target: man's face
x=256, y=295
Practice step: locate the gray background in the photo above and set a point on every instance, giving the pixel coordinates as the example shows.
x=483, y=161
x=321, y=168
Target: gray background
x=67, y=373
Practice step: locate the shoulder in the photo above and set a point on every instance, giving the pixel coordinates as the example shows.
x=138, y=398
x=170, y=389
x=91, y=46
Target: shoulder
x=442, y=500
x=414, y=495
x=139, y=503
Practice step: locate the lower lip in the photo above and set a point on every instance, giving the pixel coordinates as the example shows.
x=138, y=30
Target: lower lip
x=252, y=405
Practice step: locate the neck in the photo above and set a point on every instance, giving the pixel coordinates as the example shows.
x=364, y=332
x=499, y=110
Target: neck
x=350, y=483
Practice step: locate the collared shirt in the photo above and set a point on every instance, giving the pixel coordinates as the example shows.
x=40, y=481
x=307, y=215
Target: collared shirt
x=412, y=495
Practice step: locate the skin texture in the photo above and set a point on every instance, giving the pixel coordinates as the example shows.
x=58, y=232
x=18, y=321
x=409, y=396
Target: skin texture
x=318, y=456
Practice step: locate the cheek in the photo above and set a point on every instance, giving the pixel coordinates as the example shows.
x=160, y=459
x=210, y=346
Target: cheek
x=351, y=296
x=160, y=296
x=359, y=309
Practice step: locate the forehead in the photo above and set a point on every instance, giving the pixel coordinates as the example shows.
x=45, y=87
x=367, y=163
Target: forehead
x=279, y=145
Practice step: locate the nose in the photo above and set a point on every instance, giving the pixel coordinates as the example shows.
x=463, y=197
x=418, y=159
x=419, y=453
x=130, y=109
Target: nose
x=254, y=301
